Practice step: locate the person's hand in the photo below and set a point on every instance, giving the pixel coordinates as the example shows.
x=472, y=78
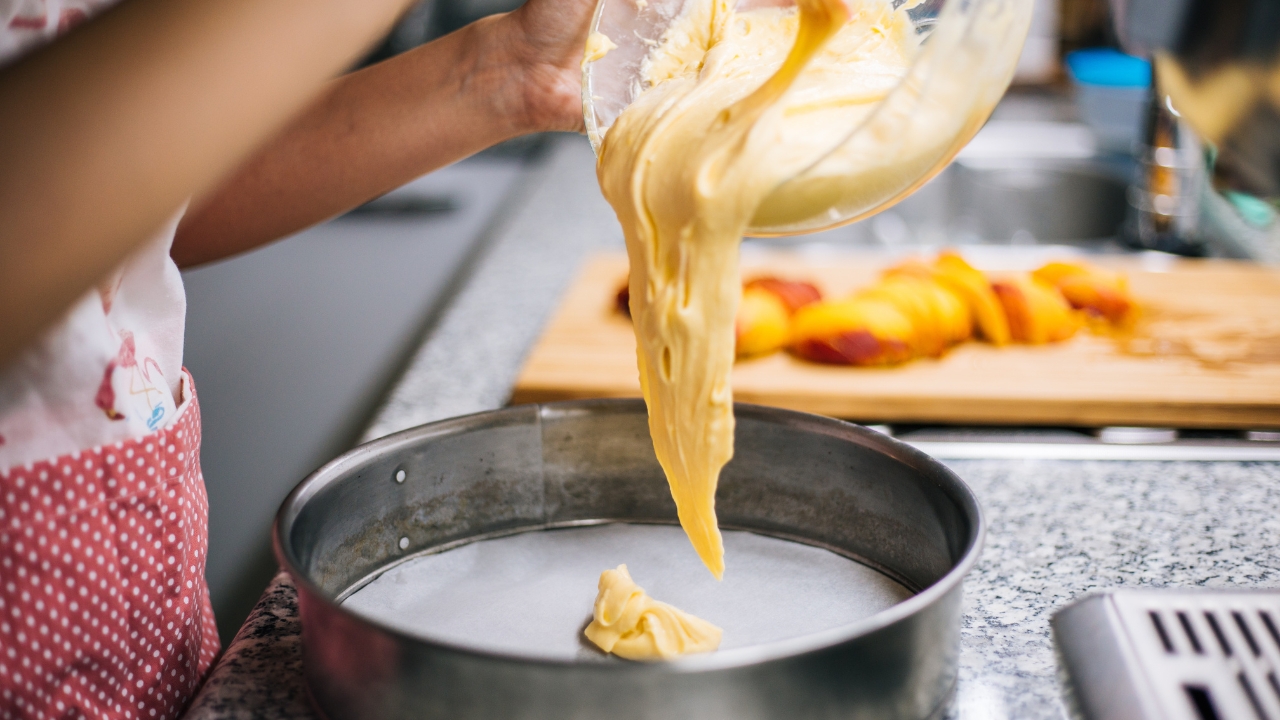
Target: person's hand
x=543, y=41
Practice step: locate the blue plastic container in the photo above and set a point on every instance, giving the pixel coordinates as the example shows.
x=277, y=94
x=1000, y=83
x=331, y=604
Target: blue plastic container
x=1112, y=90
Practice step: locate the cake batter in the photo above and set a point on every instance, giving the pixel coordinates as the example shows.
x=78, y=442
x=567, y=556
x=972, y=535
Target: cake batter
x=598, y=45
x=630, y=624
x=728, y=114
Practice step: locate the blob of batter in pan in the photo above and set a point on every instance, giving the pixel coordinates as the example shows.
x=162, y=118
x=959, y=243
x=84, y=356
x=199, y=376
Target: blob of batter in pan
x=632, y=625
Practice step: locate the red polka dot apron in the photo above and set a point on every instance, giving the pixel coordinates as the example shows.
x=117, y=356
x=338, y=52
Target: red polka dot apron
x=104, y=611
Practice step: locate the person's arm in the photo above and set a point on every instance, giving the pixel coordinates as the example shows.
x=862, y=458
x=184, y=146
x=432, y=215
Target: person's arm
x=106, y=132
x=378, y=128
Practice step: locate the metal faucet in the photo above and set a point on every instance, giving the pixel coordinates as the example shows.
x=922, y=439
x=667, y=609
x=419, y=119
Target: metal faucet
x=1165, y=190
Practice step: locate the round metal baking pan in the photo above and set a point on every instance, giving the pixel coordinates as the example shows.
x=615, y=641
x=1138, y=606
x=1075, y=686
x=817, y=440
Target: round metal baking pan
x=493, y=482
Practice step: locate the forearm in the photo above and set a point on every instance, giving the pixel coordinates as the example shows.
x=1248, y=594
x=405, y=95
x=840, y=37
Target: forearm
x=105, y=133
x=378, y=128
x=371, y=131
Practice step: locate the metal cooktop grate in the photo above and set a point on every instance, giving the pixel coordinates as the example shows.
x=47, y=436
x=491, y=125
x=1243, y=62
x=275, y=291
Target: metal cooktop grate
x=1184, y=655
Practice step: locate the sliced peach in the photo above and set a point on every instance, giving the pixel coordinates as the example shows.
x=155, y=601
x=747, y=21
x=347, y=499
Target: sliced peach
x=911, y=266
x=1100, y=293
x=939, y=317
x=855, y=331
x=953, y=314
x=763, y=324
x=1037, y=312
x=967, y=283
x=971, y=285
x=793, y=293
x=1054, y=272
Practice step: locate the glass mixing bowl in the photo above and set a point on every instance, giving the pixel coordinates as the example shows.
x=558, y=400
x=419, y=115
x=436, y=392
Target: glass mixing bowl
x=961, y=68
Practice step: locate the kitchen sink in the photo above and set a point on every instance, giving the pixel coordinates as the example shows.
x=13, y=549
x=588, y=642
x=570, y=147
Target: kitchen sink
x=1036, y=202
x=1017, y=183
x=1060, y=203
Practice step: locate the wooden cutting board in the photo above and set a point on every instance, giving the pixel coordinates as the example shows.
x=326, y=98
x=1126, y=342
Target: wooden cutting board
x=1207, y=354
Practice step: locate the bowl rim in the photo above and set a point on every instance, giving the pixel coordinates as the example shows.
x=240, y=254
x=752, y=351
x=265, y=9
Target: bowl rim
x=595, y=135
x=949, y=483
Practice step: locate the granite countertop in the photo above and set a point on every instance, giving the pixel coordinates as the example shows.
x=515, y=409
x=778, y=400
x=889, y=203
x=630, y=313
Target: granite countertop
x=1057, y=529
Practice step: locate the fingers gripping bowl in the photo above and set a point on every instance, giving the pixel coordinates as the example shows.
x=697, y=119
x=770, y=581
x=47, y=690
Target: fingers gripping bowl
x=877, y=146
x=827, y=488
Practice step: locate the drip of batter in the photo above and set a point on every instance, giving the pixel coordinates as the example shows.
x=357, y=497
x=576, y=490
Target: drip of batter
x=725, y=119
x=630, y=624
x=598, y=45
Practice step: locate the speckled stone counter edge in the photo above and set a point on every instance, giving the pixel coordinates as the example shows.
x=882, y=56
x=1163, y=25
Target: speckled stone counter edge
x=260, y=674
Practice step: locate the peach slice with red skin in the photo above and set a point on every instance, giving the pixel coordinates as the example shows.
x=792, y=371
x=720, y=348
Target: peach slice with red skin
x=1037, y=312
x=763, y=324
x=1099, y=293
x=764, y=315
x=939, y=317
x=854, y=331
x=794, y=294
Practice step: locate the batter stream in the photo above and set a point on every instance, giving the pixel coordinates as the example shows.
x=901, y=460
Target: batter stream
x=728, y=114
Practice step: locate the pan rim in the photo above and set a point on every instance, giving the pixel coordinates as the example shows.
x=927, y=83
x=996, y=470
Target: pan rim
x=950, y=484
